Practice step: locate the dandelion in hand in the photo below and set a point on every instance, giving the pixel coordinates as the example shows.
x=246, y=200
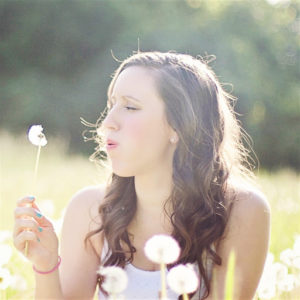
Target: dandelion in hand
x=183, y=280
x=36, y=135
x=115, y=281
x=37, y=138
x=162, y=249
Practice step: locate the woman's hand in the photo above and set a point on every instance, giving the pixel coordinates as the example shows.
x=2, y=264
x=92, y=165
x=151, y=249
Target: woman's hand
x=32, y=226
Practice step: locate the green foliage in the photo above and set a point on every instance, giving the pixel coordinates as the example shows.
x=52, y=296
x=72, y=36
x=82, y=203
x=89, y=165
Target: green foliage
x=56, y=61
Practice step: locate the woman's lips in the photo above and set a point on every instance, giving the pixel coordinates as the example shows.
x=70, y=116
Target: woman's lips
x=112, y=146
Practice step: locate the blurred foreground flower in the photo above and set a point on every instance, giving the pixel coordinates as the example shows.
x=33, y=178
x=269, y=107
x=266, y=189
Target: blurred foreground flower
x=276, y=280
x=183, y=280
x=5, y=278
x=115, y=281
x=162, y=249
x=6, y=252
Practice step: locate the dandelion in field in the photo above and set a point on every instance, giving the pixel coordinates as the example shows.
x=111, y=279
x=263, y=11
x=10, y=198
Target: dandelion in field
x=6, y=252
x=183, y=280
x=115, y=281
x=37, y=138
x=162, y=249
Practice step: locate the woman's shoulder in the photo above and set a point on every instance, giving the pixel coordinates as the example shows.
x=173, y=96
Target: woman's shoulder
x=88, y=198
x=244, y=197
x=84, y=206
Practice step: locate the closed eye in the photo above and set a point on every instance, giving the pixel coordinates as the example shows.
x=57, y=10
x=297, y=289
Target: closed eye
x=130, y=108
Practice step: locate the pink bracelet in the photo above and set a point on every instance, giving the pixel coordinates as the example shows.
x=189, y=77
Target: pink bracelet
x=50, y=271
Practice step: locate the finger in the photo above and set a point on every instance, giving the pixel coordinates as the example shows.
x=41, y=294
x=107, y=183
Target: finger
x=42, y=219
x=25, y=201
x=26, y=225
x=20, y=240
x=21, y=211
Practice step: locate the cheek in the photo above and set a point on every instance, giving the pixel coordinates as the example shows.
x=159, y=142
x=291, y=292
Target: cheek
x=138, y=130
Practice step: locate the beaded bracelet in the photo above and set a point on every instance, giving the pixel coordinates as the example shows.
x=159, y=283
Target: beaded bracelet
x=50, y=271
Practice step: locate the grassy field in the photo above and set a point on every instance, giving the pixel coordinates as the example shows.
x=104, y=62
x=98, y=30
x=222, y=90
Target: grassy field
x=60, y=175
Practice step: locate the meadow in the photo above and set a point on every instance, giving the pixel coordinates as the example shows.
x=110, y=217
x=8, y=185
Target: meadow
x=60, y=175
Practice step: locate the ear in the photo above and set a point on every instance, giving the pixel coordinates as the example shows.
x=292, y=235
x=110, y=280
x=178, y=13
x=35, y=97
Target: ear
x=174, y=137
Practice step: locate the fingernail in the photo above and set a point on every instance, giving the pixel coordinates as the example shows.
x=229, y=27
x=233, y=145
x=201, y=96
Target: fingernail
x=40, y=229
x=31, y=198
x=38, y=240
x=39, y=215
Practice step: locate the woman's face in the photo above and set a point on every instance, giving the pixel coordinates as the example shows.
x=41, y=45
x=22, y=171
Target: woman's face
x=136, y=121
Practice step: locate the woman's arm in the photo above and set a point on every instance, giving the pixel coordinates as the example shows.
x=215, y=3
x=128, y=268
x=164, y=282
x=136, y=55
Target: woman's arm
x=78, y=268
x=247, y=233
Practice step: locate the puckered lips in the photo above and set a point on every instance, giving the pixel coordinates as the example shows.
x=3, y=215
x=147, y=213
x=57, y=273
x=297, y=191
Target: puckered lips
x=111, y=144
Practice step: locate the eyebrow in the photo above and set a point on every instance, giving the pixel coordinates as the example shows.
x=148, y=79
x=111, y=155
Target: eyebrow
x=126, y=96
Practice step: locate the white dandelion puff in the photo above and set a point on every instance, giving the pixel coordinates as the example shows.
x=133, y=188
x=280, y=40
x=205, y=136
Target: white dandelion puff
x=36, y=135
x=162, y=248
x=182, y=279
x=115, y=279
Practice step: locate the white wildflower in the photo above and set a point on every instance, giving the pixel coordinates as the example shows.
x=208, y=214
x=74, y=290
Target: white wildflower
x=267, y=291
x=5, y=278
x=18, y=283
x=6, y=253
x=182, y=279
x=115, y=281
x=162, y=248
x=280, y=271
x=36, y=135
x=287, y=283
x=287, y=256
x=267, y=284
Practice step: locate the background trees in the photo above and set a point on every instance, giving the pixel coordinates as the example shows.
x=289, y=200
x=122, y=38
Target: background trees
x=56, y=62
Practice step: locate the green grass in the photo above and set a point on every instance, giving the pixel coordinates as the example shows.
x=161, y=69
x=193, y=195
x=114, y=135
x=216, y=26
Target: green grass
x=60, y=175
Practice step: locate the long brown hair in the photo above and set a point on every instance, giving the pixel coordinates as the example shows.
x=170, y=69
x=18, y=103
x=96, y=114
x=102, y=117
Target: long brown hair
x=209, y=158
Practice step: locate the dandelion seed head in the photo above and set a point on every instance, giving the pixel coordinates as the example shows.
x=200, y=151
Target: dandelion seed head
x=115, y=279
x=36, y=135
x=182, y=279
x=162, y=248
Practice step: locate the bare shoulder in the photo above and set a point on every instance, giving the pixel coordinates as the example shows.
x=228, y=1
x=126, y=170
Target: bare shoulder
x=84, y=207
x=88, y=200
x=249, y=202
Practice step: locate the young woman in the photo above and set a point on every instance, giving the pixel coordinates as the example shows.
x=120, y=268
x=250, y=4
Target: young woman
x=178, y=167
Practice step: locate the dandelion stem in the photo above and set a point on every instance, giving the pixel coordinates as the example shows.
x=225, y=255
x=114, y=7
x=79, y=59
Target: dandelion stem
x=163, y=281
x=34, y=185
x=36, y=167
x=185, y=296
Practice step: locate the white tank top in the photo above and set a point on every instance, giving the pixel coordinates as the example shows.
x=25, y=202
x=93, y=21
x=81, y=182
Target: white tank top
x=144, y=284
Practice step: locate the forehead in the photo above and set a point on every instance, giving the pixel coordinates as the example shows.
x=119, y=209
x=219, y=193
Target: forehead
x=137, y=82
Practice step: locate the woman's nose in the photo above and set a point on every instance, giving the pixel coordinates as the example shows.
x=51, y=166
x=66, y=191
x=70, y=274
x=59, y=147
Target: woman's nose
x=110, y=121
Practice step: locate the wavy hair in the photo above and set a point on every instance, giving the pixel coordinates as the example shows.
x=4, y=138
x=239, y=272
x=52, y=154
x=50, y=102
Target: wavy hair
x=209, y=159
